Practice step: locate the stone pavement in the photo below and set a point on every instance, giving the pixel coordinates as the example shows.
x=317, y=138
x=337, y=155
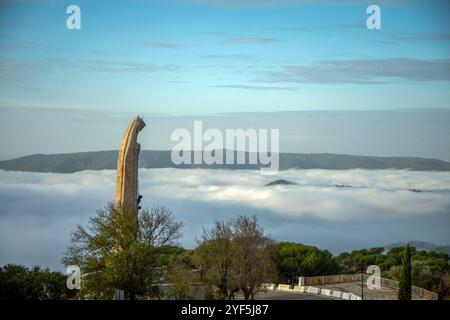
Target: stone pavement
x=384, y=293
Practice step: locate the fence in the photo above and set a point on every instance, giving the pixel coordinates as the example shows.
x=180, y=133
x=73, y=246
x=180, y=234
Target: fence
x=339, y=278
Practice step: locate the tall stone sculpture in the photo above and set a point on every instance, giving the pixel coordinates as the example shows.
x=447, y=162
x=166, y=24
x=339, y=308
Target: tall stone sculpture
x=127, y=187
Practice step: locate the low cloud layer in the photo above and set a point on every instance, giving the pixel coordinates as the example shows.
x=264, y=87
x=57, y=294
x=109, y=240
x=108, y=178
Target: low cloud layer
x=39, y=210
x=371, y=193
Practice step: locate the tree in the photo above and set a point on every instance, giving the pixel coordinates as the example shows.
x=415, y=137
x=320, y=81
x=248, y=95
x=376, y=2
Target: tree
x=404, y=290
x=294, y=260
x=445, y=287
x=119, y=250
x=183, y=278
x=253, y=264
x=214, y=255
x=20, y=283
x=235, y=256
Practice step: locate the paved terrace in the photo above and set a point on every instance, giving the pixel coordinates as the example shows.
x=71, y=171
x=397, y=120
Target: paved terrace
x=351, y=283
x=384, y=293
x=280, y=295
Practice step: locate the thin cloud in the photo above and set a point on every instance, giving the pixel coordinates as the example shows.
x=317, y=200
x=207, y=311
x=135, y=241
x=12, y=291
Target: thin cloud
x=364, y=71
x=229, y=56
x=42, y=47
x=357, y=25
x=402, y=37
x=251, y=4
x=16, y=69
x=124, y=66
x=254, y=40
x=250, y=87
x=179, y=81
x=163, y=45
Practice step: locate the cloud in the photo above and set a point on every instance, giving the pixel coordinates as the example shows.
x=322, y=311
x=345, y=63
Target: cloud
x=15, y=69
x=42, y=47
x=164, y=45
x=38, y=211
x=250, y=4
x=230, y=56
x=403, y=37
x=364, y=71
x=253, y=40
x=378, y=192
x=249, y=87
x=356, y=25
x=118, y=66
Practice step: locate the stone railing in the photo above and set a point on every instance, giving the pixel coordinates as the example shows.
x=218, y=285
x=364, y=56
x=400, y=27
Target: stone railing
x=311, y=290
x=339, y=278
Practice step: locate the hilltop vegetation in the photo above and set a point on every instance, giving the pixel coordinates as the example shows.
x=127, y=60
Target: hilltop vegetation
x=422, y=246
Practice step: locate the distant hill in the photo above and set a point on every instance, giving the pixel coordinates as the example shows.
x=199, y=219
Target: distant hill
x=279, y=182
x=422, y=245
x=98, y=160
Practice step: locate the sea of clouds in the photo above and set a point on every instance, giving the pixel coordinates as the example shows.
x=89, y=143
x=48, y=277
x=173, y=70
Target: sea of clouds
x=38, y=211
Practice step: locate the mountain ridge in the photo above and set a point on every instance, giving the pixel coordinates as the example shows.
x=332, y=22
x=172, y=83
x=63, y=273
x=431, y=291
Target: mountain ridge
x=422, y=245
x=100, y=160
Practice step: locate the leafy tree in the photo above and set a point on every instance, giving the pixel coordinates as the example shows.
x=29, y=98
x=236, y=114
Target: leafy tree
x=167, y=253
x=359, y=259
x=183, y=277
x=427, y=270
x=20, y=283
x=404, y=290
x=294, y=260
x=119, y=250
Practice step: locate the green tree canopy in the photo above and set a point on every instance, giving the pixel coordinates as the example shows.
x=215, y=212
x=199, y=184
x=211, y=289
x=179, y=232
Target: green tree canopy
x=120, y=250
x=294, y=260
x=20, y=283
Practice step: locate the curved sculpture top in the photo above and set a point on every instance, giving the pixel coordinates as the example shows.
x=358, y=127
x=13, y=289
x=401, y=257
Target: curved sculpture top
x=127, y=167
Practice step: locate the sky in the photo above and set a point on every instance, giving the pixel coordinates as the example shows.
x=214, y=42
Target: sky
x=38, y=211
x=217, y=56
x=415, y=133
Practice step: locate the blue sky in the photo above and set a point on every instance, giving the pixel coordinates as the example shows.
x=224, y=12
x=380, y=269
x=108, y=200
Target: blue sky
x=212, y=56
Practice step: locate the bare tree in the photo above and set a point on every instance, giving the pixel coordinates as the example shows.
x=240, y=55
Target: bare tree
x=252, y=263
x=215, y=257
x=234, y=256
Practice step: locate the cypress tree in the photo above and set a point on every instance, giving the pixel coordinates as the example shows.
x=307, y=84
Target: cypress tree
x=404, y=289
